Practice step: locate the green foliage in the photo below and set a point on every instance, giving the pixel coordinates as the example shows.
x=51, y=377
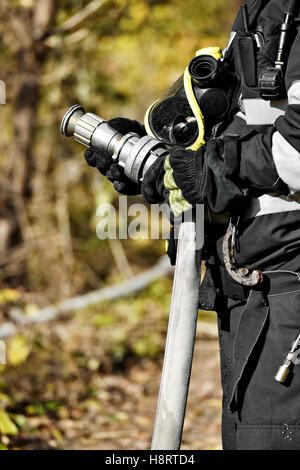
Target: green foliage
x=18, y=350
x=148, y=345
x=6, y=424
x=8, y=295
x=136, y=325
x=40, y=409
x=115, y=63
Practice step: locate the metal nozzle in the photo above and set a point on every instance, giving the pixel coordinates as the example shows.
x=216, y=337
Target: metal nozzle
x=76, y=122
x=134, y=153
x=70, y=120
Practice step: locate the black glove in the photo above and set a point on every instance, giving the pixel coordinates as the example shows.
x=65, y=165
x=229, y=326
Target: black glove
x=204, y=177
x=154, y=192
x=153, y=189
x=222, y=189
x=108, y=167
x=187, y=166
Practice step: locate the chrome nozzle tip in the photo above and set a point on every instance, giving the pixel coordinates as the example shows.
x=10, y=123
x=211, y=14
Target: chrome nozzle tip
x=64, y=127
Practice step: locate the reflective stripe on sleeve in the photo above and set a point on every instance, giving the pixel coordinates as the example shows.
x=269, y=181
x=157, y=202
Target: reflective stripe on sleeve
x=286, y=157
x=287, y=162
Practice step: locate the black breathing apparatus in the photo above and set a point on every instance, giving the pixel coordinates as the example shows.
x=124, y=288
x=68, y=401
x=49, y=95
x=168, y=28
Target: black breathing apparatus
x=203, y=96
x=197, y=101
x=213, y=85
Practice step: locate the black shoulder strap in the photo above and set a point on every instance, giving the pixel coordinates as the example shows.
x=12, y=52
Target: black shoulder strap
x=255, y=8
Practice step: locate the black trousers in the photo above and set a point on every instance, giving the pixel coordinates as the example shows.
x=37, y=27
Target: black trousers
x=255, y=337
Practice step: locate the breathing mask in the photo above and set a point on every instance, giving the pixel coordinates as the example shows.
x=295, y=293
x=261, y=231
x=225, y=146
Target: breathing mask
x=197, y=101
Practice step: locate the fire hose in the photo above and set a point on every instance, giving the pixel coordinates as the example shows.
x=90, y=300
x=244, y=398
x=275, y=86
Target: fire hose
x=136, y=155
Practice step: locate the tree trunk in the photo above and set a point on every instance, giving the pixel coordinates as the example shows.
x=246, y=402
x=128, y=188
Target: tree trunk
x=30, y=27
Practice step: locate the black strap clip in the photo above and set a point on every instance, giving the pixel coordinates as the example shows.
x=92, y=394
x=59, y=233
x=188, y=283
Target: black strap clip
x=271, y=81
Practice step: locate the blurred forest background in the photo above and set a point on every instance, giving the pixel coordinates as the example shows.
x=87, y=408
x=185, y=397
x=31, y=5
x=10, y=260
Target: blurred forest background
x=88, y=379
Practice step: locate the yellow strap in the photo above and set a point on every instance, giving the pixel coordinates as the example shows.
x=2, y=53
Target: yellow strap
x=215, y=52
x=189, y=91
x=146, y=120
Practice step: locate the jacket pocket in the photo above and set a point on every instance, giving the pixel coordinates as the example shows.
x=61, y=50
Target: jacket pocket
x=262, y=400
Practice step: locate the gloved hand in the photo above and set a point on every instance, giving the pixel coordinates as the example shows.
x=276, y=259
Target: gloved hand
x=177, y=183
x=153, y=189
x=108, y=167
x=154, y=192
x=175, y=189
x=183, y=174
x=203, y=177
x=221, y=188
x=158, y=186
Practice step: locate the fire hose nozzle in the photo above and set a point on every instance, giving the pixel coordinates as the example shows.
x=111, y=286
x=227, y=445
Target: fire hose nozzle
x=133, y=153
x=70, y=120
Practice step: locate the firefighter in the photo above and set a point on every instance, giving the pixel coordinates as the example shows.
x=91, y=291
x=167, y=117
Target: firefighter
x=249, y=168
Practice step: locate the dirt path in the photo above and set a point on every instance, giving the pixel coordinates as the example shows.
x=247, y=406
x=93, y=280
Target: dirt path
x=135, y=396
x=60, y=403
